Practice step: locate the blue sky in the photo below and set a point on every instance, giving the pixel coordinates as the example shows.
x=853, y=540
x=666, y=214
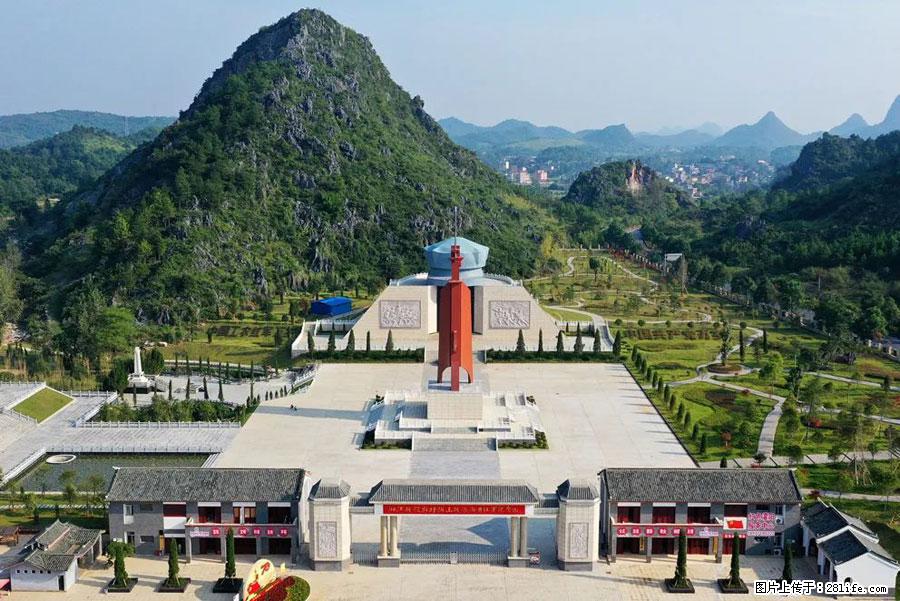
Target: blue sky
x=579, y=64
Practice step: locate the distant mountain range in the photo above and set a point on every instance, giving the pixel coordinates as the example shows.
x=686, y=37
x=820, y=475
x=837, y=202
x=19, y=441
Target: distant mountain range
x=18, y=130
x=766, y=134
x=856, y=125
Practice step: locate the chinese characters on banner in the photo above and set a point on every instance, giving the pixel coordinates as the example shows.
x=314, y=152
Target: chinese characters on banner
x=451, y=509
x=245, y=531
x=691, y=531
x=761, y=523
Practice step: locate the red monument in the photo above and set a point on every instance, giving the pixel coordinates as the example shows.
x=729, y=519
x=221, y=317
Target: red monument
x=455, y=325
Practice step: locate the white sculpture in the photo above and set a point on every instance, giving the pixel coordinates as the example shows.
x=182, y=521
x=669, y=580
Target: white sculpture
x=137, y=380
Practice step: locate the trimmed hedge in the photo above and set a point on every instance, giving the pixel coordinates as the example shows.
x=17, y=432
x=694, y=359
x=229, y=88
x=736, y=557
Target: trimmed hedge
x=550, y=357
x=363, y=356
x=540, y=442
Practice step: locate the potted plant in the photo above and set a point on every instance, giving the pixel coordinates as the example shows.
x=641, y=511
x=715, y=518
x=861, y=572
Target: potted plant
x=680, y=583
x=733, y=584
x=173, y=583
x=229, y=584
x=120, y=583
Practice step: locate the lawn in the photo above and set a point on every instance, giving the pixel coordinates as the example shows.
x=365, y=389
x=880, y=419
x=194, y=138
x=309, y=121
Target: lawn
x=565, y=314
x=869, y=367
x=837, y=476
x=47, y=515
x=43, y=404
x=716, y=410
x=677, y=358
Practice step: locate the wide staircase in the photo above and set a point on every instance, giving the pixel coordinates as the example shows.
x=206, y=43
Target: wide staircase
x=445, y=444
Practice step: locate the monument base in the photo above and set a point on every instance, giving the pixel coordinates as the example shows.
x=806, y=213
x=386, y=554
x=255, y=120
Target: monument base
x=331, y=566
x=385, y=561
x=517, y=562
x=575, y=566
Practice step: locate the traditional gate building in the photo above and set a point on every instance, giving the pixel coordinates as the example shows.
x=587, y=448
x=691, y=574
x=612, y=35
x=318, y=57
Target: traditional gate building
x=574, y=506
x=644, y=510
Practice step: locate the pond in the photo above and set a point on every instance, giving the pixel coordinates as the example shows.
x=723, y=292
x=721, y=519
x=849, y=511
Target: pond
x=47, y=475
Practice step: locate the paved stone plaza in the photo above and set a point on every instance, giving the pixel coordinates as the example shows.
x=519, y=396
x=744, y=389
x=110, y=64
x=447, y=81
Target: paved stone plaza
x=595, y=416
x=627, y=579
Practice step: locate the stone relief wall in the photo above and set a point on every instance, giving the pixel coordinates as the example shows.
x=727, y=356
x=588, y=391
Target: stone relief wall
x=510, y=315
x=326, y=540
x=401, y=314
x=578, y=540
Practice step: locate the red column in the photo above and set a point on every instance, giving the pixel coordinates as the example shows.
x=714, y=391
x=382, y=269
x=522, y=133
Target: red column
x=455, y=325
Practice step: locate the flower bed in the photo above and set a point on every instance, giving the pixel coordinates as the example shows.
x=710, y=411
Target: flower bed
x=290, y=588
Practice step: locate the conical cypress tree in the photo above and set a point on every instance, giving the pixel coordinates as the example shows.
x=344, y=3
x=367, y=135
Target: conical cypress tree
x=368, y=341
x=230, y=570
x=787, y=573
x=351, y=342
x=120, y=576
x=703, y=443
x=598, y=346
x=540, y=341
x=681, y=579
x=187, y=390
x=173, y=581
x=389, y=344
x=579, y=343
x=634, y=351
x=205, y=390
x=734, y=575
x=331, y=343
x=560, y=345
x=520, y=343
x=617, y=344
x=170, y=390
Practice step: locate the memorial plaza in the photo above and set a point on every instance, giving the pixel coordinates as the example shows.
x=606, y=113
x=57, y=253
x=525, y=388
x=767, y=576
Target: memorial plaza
x=595, y=415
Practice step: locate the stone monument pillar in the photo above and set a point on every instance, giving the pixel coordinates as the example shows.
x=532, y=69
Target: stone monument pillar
x=329, y=525
x=577, y=525
x=455, y=325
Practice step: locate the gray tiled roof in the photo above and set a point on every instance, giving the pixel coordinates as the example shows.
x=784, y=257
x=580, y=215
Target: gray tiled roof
x=329, y=489
x=701, y=485
x=823, y=519
x=188, y=484
x=62, y=537
x=58, y=545
x=44, y=560
x=453, y=491
x=578, y=490
x=849, y=545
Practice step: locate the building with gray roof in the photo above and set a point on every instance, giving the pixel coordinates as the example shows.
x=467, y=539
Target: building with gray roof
x=51, y=560
x=148, y=506
x=845, y=548
x=644, y=510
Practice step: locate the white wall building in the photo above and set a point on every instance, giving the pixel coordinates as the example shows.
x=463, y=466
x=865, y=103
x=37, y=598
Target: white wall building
x=846, y=550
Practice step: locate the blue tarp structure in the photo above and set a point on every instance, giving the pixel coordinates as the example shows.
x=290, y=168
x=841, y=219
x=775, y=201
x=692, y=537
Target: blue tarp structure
x=335, y=305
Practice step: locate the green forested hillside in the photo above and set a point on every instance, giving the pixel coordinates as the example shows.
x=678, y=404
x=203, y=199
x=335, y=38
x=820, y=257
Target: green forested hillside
x=300, y=160
x=50, y=168
x=827, y=239
x=18, y=130
x=831, y=159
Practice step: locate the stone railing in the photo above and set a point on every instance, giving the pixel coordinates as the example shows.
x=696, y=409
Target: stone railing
x=160, y=425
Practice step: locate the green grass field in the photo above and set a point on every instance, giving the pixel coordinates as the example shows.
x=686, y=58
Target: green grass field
x=716, y=410
x=838, y=476
x=43, y=404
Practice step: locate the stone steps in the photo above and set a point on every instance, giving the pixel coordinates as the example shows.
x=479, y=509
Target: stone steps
x=446, y=444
